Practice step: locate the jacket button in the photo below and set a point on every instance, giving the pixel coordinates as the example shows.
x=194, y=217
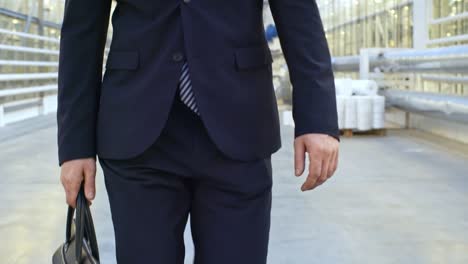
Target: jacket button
x=177, y=56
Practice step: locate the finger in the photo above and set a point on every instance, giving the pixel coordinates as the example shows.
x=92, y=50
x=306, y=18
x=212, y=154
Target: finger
x=315, y=169
x=71, y=193
x=337, y=158
x=89, y=182
x=70, y=186
x=299, y=157
x=333, y=163
x=324, y=172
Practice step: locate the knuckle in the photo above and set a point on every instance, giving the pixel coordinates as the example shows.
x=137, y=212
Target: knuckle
x=324, y=150
x=309, y=145
x=317, y=174
x=319, y=147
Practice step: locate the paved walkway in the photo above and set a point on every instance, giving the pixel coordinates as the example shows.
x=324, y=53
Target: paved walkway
x=395, y=199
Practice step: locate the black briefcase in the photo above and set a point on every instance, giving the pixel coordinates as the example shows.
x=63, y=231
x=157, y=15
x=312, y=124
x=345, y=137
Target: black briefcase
x=80, y=238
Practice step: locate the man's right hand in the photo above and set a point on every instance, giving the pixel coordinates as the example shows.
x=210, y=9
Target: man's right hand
x=73, y=172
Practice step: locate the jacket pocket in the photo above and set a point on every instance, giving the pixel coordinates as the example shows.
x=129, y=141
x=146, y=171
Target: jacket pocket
x=252, y=57
x=125, y=60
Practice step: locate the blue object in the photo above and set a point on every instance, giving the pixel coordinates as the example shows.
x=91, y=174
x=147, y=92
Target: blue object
x=270, y=32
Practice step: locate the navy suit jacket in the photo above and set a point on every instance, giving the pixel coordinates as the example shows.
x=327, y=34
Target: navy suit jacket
x=119, y=114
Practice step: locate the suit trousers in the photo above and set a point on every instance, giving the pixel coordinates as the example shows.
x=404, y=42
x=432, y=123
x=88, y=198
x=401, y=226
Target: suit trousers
x=181, y=173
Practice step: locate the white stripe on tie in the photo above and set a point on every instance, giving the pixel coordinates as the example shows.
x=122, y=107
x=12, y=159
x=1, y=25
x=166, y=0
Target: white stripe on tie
x=185, y=89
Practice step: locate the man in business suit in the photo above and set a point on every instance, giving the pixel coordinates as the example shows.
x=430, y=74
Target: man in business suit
x=184, y=120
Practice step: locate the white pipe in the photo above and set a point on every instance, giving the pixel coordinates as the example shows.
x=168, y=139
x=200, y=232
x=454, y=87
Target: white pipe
x=425, y=53
x=450, y=107
x=450, y=59
x=444, y=78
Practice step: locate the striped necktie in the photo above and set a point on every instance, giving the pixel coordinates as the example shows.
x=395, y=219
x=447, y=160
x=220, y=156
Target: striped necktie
x=185, y=89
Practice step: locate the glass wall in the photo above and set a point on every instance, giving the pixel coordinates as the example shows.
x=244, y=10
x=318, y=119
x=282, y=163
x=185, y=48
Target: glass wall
x=28, y=12
x=354, y=24
x=449, y=8
x=446, y=29
x=25, y=15
x=38, y=51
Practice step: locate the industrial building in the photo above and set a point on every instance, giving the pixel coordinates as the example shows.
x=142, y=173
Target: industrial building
x=397, y=197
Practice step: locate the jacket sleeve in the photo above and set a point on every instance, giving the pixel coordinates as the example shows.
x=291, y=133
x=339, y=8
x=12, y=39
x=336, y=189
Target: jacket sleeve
x=82, y=41
x=307, y=55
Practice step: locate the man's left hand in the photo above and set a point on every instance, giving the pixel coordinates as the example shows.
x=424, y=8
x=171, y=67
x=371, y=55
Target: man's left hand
x=322, y=150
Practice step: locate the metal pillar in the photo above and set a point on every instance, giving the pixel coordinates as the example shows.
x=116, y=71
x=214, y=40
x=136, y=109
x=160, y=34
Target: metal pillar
x=422, y=12
x=364, y=64
x=40, y=16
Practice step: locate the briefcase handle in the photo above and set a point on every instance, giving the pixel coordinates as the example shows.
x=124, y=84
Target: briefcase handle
x=84, y=226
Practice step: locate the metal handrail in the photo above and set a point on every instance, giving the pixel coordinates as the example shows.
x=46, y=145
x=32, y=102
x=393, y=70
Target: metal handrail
x=28, y=76
x=27, y=90
x=449, y=18
x=43, y=105
x=28, y=63
x=36, y=37
x=444, y=40
x=27, y=35
x=28, y=49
